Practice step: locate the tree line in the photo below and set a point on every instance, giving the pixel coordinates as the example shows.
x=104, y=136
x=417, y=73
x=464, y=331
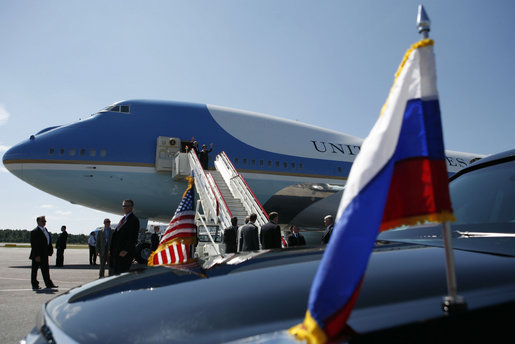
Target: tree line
x=23, y=236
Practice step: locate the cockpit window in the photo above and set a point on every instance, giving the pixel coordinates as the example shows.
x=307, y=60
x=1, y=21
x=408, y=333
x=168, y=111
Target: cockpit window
x=117, y=108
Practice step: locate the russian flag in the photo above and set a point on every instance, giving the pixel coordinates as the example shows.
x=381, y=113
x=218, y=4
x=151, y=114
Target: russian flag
x=398, y=178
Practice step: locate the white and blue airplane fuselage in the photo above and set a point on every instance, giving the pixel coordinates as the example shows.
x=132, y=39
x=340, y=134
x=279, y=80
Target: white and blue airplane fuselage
x=97, y=162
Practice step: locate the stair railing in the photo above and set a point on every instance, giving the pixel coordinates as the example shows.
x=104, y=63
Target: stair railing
x=203, y=187
x=239, y=188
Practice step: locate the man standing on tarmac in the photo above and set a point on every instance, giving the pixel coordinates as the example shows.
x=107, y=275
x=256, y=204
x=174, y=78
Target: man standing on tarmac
x=104, y=237
x=154, y=239
x=60, y=245
x=295, y=238
x=123, y=243
x=230, y=235
x=329, y=224
x=249, y=239
x=92, y=243
x=40, y=249
x=271, y=232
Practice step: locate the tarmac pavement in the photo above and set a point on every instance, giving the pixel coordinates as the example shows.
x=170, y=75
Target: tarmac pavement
x=19, y=304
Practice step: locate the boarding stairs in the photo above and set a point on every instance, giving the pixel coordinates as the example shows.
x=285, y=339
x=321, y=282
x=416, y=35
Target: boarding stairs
x=234, y=204
x=223, y=194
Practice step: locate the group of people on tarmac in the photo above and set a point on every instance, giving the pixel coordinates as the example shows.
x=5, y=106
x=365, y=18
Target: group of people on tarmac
x=116, y=248
x=249, y=238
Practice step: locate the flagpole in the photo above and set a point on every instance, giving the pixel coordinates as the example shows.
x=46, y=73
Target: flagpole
x=452, y=302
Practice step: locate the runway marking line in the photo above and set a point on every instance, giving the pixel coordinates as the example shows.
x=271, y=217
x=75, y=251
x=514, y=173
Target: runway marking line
x=30, y=289
x=15, y=279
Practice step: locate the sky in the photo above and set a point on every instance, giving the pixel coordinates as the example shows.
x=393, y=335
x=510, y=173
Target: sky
x=327, y=63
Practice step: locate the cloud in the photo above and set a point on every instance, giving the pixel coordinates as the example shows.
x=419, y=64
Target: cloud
x=4, y=115
x=46, y=206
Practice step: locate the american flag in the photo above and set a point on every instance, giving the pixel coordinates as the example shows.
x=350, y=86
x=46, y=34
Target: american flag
x=177, y=245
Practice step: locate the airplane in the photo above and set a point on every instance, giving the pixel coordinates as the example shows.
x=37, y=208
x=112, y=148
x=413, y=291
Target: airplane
x=296, y=169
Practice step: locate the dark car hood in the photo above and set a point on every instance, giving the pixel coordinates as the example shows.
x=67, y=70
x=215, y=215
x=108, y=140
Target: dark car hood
x=403, y=284
x=490, y=238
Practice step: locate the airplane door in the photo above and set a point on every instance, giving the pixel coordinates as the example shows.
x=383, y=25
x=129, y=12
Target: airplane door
x=166, y=149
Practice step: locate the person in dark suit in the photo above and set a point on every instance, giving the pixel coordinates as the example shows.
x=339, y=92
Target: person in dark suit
x=249, y=239
x=60, y=245
x=203, y=155
x=329, y=224
x=123, y=242
x=40, y=249
x=194, y=146
x=104, y=238
x=230, y=236
x=154, y=239
x=271, y=232
x=295, y=238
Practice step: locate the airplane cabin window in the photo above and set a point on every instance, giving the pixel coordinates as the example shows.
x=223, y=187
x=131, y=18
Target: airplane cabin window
x=51, y=151
x=93, y=152
x=71, y=151
x=339, y=169
x=277, y=164
x=270, y=164
x=236, y=161
x=261, y=163
x=82, y=152
x=61, y=151
x=253, y=162
x=244, y=161
x=285, y=164
x=103, y=152
x=292, y=165
x=300, y=165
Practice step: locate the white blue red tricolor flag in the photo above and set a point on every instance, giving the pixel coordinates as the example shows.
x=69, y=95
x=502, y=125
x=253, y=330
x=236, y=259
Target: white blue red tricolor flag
x=177, y=245
x=398, y=178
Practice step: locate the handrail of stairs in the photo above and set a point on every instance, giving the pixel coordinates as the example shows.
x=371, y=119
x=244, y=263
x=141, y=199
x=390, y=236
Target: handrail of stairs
x=214, y=205
x=239, y=188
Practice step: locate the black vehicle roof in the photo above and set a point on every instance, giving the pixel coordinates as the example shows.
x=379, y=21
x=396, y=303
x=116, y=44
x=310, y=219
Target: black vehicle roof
x=487, y=161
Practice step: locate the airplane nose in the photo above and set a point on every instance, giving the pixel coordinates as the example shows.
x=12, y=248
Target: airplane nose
x=13, y=159
x=17, y=158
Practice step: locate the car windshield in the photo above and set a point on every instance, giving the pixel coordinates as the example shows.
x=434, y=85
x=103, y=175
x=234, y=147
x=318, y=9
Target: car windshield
x=483, y=201
x=485, y=196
